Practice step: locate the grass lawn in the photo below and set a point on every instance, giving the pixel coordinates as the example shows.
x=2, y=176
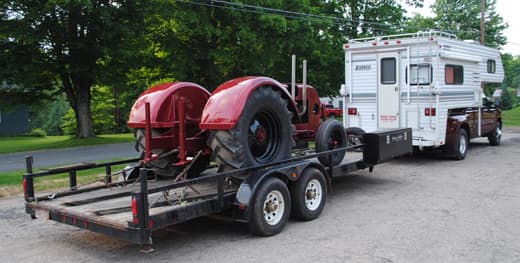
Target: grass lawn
x=11, y=182
x=511, y=117
x=27, y=143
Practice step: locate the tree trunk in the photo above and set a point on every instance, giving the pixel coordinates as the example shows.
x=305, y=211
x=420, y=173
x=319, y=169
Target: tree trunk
x=78, y=95
x=84, y=122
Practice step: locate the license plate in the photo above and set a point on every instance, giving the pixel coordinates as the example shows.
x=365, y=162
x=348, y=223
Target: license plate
x=42, y=214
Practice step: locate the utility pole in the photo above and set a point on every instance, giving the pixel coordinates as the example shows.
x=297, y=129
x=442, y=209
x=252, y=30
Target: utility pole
x=482, y=24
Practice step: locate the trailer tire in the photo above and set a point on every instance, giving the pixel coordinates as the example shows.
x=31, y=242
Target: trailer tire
x=460, y=147
x=263, y=133
x=271, y=208
x=495, y=137
x=331, y=135
x=309, y=195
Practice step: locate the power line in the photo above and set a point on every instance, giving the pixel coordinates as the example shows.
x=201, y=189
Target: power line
x=291, y=14
x=241, y=7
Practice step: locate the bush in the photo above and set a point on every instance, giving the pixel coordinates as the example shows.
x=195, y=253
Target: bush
x=38, y=132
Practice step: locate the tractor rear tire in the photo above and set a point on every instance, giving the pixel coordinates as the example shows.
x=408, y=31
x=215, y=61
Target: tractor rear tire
x=162, y=166
x=263, y=133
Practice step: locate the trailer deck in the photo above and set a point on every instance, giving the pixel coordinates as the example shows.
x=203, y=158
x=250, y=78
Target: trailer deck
x=131, y=210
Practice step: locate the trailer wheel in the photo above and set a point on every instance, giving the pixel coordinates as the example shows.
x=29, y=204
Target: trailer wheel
x=496, y=136
x=309, y=195
x=331, y=135
x=460, y=147
x=271, y=208
x=263, y=134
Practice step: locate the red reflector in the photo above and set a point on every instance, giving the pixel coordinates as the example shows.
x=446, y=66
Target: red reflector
x=346, y=46
x=374, y=43
x=352, y=111
x=134, y=207
x=242, y=206
x=398, y=42
x=386, y=42
x=24, y=186
x=151, y=224
x=430, y=112
x=136, y=220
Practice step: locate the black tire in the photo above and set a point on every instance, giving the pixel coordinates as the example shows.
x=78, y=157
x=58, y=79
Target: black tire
x=272, y=194
x=495, y=137
x=263, y=134
x=309, y=195
x=460, y=147
x=354, y=136
x=331, y=135
x=164, y=166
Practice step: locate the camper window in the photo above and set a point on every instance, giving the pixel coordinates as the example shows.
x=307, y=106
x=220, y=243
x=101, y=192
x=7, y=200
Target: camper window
x=421, y=74
x=388, y=71
x=454, y=74
x=491, y=66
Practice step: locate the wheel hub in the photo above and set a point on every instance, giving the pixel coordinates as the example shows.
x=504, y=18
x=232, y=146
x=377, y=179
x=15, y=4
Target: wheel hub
x=274, y=205
x=313, y=194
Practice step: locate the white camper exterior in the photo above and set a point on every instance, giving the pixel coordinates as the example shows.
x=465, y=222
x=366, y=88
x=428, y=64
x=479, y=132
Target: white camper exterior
x=446, y=74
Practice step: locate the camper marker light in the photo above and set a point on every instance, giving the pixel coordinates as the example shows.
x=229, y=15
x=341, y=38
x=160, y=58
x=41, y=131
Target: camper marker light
x=386, y=42
x=352, y=111
x=374, y=43
x=398, y=41
x=346, y=46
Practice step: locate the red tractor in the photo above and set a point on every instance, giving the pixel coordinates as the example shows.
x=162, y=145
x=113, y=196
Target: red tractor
x=246, y=121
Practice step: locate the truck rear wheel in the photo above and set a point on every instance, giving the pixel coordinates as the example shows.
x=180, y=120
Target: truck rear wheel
x=309, y=194
x=263, y=134
x=271, y=208
x=331, y=135
x=460, y=147
x=496, y=136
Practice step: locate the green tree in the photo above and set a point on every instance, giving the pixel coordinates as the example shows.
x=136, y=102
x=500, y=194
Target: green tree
x=66, y=43
x=463, y=18
x=102, y=113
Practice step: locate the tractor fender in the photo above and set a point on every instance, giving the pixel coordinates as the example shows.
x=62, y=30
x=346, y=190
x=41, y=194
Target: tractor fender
x=162, y=99
x=227, y=102
x=248, y=188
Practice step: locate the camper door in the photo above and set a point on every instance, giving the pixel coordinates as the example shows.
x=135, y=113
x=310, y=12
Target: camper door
x=388, y=91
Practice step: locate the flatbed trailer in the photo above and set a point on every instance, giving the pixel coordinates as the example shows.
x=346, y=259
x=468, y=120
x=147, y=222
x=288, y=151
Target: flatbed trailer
x=132, y=210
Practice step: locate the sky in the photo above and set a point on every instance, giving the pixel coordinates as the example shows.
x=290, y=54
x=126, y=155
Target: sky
x=507, y=9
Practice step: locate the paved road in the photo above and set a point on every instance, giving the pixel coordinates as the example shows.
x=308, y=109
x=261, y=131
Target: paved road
x=57, y=157
x=420, y=209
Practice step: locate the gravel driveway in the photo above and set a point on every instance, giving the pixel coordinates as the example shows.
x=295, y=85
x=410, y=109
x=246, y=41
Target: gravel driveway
x=414, y=209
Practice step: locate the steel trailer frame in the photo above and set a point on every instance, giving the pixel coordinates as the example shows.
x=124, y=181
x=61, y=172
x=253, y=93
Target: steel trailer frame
x=139, y=229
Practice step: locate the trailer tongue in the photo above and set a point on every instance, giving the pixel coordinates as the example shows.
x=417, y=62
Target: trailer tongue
x=132, y=210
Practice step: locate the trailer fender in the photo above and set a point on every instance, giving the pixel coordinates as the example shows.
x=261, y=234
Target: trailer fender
x=247, y=190
x=162, y=98
x=226, y=104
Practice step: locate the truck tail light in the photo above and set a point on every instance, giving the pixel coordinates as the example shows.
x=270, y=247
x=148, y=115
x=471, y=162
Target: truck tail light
x=352, y=111
x=430, y=112
x=135, y=211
